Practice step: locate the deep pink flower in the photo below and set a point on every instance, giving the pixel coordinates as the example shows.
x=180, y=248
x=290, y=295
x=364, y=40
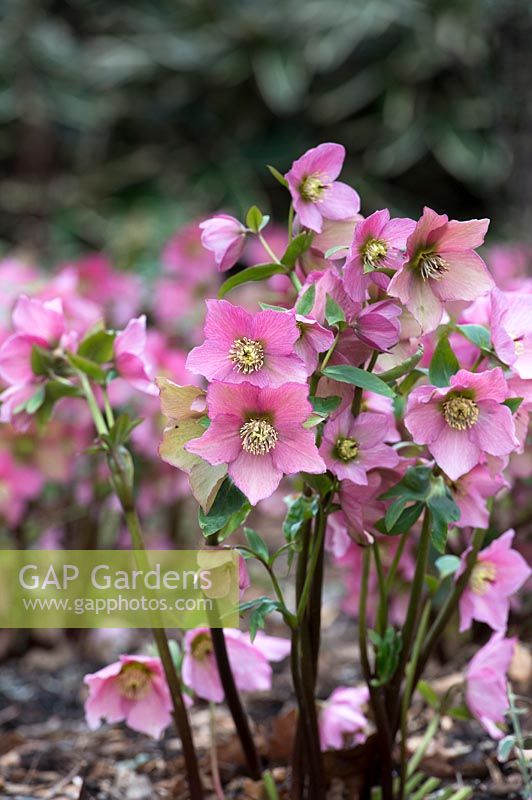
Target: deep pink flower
x=461, y=423
x=313, y=340
x=379, y=242
x=486, y=686
x=498, y=573
x=130, y=356
x=249, y=661
x=224, y=236
x=341, y=717
x=377, y=325
x=259, y=433
x=361, y=506
x=353, y=446
x=134, y=690
x=316, y=194
x=441, y=265
x=471, y=492
x=511, y=330
x=255, y=348
x=185, y=257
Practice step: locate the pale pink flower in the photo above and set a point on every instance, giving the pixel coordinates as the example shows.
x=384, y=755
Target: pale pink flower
x=353, y=446
x=498, y=574
x=18, y=485
x=378, y=242
x=463, y=422
x=313, y=340
x=486, y=691
x=130, y=356
x=259, y=433
x=133, y=690
x=250, y=661
x=316, y=194
x=511, y=330
x=334, y=234
x=341, y=717
x=361, y=506
x=224, y=236
x=185, y=257
x=441, y=265
x=118, y=291
x=471, y=492
x=255, y=348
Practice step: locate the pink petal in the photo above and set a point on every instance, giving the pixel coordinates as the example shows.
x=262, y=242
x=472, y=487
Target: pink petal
x=38, y=318
x=15, y=358
x=428, y=224
x=424, y=421
x=494, y=431
x=225, y=322
x=250, y=667
x=202, y=676
x=255, y=476
x=211, y=359
x=326, y=159
x=308, y=213
x=466, y=279
x=463, y=235
x=150, y=715
x=296, y=451
x=133, y=338
x=339, y=201
x=454, y=452
x=221, y=443
x=277, y=331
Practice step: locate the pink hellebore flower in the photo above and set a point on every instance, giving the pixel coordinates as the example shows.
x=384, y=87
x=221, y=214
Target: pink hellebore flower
x=470, y=493
x=313, y=340
x=511, y=321
x=18, y=484
x=259, y=433
x=255, y=348
x=224, y=236
x=378, y=325
x=353, y=446
x=134, y=690
x=441, y=266
x=316, y=194
x=498, y=573
x=486, y=686
x=341, y=716
x=379, y=242
x=462, y=422
x=249, y=661
x=130, y=356
x=185, y=257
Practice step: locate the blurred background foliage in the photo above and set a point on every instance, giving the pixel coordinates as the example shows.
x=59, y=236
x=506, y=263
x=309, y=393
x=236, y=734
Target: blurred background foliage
x=121, y=120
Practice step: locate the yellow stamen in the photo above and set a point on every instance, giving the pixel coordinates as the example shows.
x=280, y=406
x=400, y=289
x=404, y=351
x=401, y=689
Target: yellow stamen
x=484, y=573
x=247, y=355
x=311, y=188
x=258, y=437
x=346, y=449
x=460, y=413
x=134, y=680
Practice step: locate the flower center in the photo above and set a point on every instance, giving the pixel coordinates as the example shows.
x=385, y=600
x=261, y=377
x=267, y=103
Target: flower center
x=460, y=413
x=373, y=252
x=346, y=449
x=432, y=265
x=202, y=646
x=258, y=437
x=247, y=355
x=483, y=575
x=519, y=346
x=311, y=188
x=134, y=680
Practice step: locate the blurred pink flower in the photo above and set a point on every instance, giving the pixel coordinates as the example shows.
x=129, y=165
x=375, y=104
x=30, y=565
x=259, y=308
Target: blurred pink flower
x=249, y=661
x=185, y=257
x=462, y=422
x=316, y=194
x=18, y=485
x=132, y=689
x=379, y=242
x=486, y=686
x=119, y=292
x=441, y=265
x=224, y=236
x=498, y=574
x=341, y=717
x=130, y=356
x=259, y=433
x=511, y=330
x=353, y=446
x=471, y=492
x=242, y=347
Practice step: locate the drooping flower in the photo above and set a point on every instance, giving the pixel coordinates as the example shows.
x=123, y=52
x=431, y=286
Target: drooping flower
x=498, y=573
x=132, y=689
x=361, y=506
x=471, y=492
x=259, y=433
x=378, y=242
x=441, y=265
x=313, y=340
x=341, y=717
x=130, y=356
x=353, y=446
x=462, y=422
x=486, y=685
x=255, y=348
x=511, y=330
x=250, y=661
x=224, y=236
x=316, y=194
x=377, y=325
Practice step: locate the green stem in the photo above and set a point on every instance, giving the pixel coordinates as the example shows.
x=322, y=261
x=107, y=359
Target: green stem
x=329, y=352
x=109, y=416
x=269, y=250
x=313, y=561
x=291, y=222
x=357, y=399
x=382, y=613
x=97, y=417
x=396, y=559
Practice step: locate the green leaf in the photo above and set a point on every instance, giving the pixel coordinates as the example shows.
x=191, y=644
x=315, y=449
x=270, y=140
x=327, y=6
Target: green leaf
x=41, y=360
x=414, y=485
x=36, y=400
x=459, y=712
x=444, y=511
x=255, y=219
x=271, y=307
x=505, y=747
x=513, y=403
x=262, y=606
x=428, y=694
x=358, y=377
x=97, y=347
x=477, y=334
x=325, y=405
x=387, y=652
x=299, y=245
x=333, y=312
x=121, y=430
x=227, y=513
x=320, y=483
x=90, y=368
x=405, y=366
x=404, y=522
x=306, y=302
x=257, y=544
x=300, y=510
x=447, y=565
x=259, y=272
x=336, y=249
x=278, y=176
x=444, y=363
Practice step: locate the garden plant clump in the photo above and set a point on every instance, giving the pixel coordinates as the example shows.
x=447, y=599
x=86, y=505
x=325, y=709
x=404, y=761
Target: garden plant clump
x=367, y=369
